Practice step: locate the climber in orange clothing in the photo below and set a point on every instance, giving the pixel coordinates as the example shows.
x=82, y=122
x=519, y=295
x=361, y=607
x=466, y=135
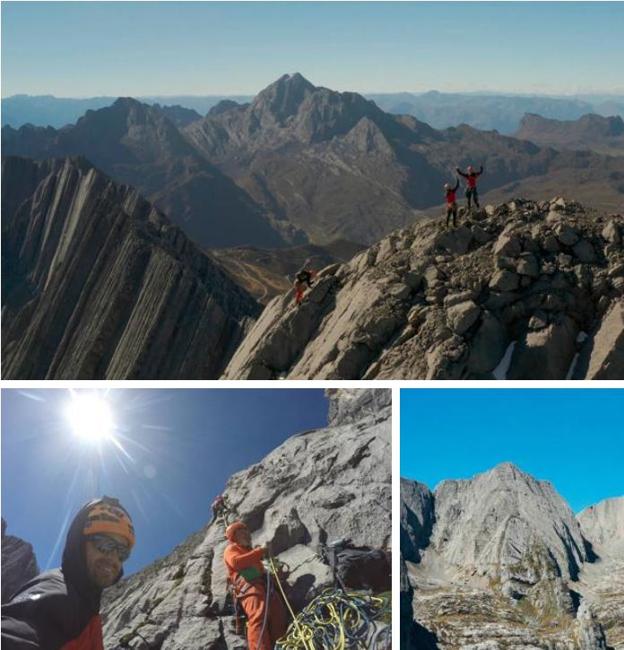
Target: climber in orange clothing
x=249, y=581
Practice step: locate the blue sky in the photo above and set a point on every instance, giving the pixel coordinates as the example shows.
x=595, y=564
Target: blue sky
x=184, y=445
x=83, y=49
x=571, y=437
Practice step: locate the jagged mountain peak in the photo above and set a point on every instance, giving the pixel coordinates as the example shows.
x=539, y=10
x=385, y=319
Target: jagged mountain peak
x=493, y=522
x=283, y=97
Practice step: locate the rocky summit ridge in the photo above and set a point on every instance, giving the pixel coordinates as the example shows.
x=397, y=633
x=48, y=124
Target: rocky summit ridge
x=318, y=486
x=500, y=562
x=97, y=283
x=521, y=290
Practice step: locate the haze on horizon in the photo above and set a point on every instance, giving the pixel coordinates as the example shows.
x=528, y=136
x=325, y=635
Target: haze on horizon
x=87, y=49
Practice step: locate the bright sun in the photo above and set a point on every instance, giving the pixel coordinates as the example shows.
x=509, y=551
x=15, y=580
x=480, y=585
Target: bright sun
x=90, y=417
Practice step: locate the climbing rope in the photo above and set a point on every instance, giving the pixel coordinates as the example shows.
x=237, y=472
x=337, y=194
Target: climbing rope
x=336, y=620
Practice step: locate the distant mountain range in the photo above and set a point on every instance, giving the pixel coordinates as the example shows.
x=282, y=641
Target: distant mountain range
x=304, y=164
x=440, y=110
x=47, y=110
x=590, y=132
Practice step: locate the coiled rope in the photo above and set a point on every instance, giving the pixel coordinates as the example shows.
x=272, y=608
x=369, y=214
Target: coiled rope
x=336, y=620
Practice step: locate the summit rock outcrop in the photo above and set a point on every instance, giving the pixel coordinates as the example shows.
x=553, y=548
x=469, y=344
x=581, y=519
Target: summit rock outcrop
x=522, y=290
x=318, y=486
x=19, y=563
x=97, y=283
x=506, y=564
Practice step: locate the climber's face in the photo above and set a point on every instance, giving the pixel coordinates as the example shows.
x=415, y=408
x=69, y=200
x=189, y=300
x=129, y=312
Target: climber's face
x=104, y=556
x=243, y=537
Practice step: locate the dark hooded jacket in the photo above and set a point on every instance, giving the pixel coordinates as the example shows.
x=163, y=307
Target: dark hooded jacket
x=59, y=609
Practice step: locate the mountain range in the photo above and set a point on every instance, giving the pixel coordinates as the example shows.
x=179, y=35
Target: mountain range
x=441, y=110
x=527, y=288
x=500, y=561
x=305, y=164
x=590, y=132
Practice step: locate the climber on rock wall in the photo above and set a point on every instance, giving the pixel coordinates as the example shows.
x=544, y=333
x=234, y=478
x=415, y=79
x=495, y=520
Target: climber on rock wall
x=253, y=589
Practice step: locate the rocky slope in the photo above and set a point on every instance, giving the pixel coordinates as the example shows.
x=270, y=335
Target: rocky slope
x=98, y=284
x=19, y=563
x=523, y=290
x=591, y=132
x=316, y=487
x=507, y=566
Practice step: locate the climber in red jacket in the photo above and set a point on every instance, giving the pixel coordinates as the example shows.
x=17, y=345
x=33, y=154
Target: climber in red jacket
x=451, y=202
x=60, y=609
x=303, y=277
x=471, y=187
x=266, y=617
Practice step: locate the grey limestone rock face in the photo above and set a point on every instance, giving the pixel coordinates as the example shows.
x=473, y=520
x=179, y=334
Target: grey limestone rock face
x=417, y=518
x=492, y=523
x=506, y=564
x=348, y=405
x=602, y=582
x=603, y=524
x=99, y=285
x=19, y=563
x=316, y=487
x=424, y=304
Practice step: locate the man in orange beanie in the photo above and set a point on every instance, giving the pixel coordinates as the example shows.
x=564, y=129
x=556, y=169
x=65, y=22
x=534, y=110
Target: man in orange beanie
x=61, y=608
x=266, y=618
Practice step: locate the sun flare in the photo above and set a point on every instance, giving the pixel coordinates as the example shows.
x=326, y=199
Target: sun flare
x=90, y=417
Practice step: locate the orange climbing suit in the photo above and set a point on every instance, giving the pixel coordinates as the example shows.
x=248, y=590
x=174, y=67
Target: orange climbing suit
x=251, y=594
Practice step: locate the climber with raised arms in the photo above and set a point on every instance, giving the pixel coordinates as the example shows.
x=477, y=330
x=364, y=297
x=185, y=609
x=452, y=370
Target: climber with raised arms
x=471, y=184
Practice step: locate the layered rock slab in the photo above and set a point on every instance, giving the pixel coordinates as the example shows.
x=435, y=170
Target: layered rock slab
x=98, y=284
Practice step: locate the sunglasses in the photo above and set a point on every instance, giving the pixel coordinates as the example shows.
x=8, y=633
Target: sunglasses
x=105, y=544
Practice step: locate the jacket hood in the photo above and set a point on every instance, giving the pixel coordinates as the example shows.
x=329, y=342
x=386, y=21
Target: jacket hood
x=74, y=563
